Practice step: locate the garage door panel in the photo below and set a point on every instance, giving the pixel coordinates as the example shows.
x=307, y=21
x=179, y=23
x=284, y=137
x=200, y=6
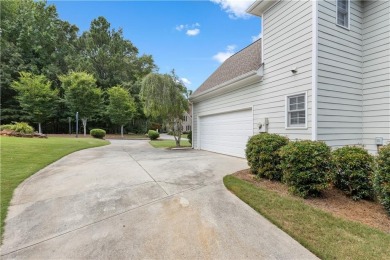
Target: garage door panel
x=226, y=133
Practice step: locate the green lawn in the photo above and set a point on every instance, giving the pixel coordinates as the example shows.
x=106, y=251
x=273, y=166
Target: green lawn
x=22, y=157
x=168, y=143
x=326, y=236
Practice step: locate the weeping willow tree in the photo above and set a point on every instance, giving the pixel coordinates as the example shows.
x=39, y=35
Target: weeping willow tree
x=164, y=97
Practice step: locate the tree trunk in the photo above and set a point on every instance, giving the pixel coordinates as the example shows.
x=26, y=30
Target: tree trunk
x=177, y=132
x=39, y=128
x=84, y=125
x=122, y=131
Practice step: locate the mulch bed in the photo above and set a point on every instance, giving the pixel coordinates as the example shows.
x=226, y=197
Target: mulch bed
x=333, y=201
x=7, y=132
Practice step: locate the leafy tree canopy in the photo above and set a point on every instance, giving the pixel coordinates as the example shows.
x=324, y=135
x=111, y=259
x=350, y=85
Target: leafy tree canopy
x=109, y=57
x=36, y=97
x=164, y=96
x=82, y=95
x=121, y=108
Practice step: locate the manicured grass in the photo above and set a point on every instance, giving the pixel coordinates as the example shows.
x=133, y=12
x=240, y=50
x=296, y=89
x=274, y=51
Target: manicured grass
x=326, y=236
x=168, y=143
x=182, y=135
x=22, y=157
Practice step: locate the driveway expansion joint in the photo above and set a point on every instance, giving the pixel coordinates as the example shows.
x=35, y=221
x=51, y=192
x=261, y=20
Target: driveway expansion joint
x=123, y=148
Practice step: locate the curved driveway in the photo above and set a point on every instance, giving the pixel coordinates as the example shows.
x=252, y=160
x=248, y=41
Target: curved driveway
x=128, y=200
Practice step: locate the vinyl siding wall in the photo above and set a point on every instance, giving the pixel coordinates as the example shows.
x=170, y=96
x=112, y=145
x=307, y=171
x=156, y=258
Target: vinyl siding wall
x=287, y=38
x=287, y=44
x=376, y=72
x=340, y=76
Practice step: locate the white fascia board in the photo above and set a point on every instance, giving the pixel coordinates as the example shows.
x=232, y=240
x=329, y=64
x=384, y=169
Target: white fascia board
x=240, y=81
x=260, y=6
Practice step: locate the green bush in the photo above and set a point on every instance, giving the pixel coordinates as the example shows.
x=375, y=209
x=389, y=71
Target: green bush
x=189, y=137
x=22, y=127
x=306, y=167
x=262, y=153
x=153, y=135
x=6, y=127
x=97, y=133
x=382, y=177
x=353, y=172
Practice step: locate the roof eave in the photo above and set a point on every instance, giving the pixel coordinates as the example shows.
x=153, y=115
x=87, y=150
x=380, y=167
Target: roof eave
x=260, y=6
x=243, y=80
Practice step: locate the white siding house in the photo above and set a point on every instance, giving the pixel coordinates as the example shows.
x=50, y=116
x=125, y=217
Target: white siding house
x=320, y=72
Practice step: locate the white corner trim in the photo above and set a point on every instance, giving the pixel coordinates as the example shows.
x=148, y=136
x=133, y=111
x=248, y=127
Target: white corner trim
x=197, y=133
x=192, y=124
x=314, y=70
x=240, y=81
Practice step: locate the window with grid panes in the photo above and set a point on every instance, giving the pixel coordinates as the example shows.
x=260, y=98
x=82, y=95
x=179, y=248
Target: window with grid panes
x=296, y=110
x=343, y=13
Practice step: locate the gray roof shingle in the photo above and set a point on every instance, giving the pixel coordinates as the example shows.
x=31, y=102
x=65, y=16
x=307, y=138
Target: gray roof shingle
x=244, y=61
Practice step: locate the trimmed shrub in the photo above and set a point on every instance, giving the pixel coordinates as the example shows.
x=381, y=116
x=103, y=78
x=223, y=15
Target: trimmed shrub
x=153, y=135
x=22, y=127
x=6, y=127
x=97, y=133
x=262, y=153
x=189, y=137
x=382, y=177
x=306, y=167
x=353, y=172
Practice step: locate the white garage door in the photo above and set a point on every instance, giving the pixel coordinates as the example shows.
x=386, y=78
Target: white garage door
x=226, y=133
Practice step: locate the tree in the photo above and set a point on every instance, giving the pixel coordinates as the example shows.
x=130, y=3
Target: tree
x=121, y=106
x=112, y=59
x=36, y=97
x=35, y=40
x=164, y=96
x=82, y=95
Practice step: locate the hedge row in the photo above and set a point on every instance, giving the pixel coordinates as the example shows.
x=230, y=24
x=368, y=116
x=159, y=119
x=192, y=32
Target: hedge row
x=308, y=167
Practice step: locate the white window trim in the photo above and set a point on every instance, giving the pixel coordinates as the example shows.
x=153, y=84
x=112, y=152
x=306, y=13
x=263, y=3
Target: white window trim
x=286, y=112
x=349, y=16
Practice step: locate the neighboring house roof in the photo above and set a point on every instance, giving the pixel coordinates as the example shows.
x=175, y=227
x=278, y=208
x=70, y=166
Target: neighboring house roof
x=244, y=61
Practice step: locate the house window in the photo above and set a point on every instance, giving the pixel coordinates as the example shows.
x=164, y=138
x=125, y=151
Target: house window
x=343, y=13
x=296, y=110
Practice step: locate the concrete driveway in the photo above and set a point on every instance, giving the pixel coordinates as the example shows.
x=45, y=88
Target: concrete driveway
x=131, y=201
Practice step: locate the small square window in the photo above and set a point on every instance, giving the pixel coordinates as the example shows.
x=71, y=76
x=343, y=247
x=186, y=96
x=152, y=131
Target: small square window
x=342, y=13
x=296, y=110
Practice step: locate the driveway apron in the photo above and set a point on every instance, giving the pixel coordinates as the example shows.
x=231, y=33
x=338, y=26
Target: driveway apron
x=128, y=200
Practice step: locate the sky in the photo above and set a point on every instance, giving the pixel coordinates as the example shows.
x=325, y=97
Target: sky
x=191, y=37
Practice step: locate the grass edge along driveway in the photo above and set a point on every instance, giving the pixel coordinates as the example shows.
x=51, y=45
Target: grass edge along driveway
x=169, y=143
x=22, y=157
x=323, y=234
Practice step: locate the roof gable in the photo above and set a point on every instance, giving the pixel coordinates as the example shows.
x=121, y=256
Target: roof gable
x=244, y=61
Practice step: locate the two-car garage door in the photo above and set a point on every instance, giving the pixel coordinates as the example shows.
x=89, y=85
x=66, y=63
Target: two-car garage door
x=226, y=133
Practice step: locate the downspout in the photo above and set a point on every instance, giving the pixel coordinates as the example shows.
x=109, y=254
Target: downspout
x=192, y=124
x=314, y=70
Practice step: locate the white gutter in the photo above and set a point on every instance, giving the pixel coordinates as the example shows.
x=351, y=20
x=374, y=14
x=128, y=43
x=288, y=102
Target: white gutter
x=243, y=80
x=314, y=69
